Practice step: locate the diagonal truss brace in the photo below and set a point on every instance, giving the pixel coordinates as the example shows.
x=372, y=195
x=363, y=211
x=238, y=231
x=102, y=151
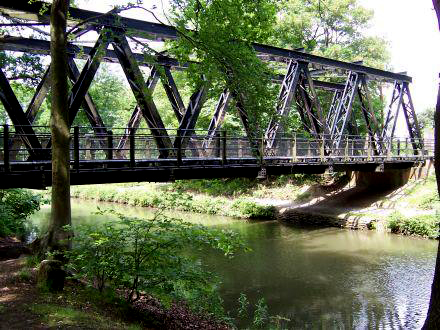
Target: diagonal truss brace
x=401, y=99
x=136, y=116
x=142, y=94
x=85, y=78
x=285, y=97
x=343, y=112
x=189, y=119
x=19, y=118
x=411, y=120
x=217, y=119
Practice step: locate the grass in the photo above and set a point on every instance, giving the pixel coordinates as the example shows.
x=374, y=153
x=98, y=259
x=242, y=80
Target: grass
x=83, y=308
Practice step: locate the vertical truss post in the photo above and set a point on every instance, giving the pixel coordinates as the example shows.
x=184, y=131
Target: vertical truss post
x=142, y=94
x=217, y=119
x=6, y=164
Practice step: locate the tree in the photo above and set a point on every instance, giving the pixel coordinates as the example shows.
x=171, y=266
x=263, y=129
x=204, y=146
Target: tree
x=58, y=238
x=433, y=317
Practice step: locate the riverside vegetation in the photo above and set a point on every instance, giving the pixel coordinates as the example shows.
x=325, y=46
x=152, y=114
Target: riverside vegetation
x=251, y=198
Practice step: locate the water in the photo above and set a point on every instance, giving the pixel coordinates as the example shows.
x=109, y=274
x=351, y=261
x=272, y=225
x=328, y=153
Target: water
x=317, y=278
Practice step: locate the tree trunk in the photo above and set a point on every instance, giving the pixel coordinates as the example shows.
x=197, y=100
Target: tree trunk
x=433, y=317
x=58, y=238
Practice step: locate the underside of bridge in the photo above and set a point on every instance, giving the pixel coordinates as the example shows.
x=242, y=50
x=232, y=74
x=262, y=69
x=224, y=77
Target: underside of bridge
x=183, y=152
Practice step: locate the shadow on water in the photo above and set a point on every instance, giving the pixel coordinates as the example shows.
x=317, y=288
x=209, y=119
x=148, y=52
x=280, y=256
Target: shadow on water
x=318, y=278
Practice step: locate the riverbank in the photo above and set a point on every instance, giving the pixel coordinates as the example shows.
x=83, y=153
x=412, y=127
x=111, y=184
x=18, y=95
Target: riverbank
x=304, y=200
x=24, y=306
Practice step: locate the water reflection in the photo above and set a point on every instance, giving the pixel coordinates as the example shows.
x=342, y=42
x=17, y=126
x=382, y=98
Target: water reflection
x=318, y=278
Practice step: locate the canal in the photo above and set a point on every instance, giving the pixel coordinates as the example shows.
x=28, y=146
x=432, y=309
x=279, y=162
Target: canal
x=316, y=278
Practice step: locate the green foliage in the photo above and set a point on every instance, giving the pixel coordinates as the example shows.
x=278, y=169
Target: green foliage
x=426, y=118
x=261, y=314
x=252, y=210
x=423, y=225
x=15, y=206
x=138, y=256
x=167, y=198
x=243, y=305
x=219, y=39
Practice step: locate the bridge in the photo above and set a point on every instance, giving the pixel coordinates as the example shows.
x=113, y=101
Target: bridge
x=330, y=138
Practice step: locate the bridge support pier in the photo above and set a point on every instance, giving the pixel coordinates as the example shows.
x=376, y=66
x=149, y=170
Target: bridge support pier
x=391, y=178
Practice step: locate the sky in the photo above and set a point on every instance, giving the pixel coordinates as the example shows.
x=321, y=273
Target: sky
x=409, y=26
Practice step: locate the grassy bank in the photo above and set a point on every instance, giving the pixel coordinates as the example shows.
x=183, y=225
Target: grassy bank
x=175, y=197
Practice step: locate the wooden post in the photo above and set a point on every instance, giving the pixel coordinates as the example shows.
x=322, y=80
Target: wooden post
x=179, y=148
x=76, y=147
x=346, y=149
x=132, y=149
x=294, y=158
x=224, y=156
x=6, y=148
x=321, y=149
x=217, y=145
x=109, y=145
x=369, y=148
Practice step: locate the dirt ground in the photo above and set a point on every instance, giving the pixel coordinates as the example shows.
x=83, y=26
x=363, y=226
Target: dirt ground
x=16, y=297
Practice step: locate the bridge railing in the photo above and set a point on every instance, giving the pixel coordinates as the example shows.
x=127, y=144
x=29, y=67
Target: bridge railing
x=119, y=144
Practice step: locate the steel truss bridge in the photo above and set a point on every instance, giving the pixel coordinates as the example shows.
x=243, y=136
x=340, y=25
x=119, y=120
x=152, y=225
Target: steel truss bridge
x=329, y=140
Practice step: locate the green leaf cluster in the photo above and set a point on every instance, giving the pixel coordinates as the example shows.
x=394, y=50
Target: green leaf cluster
x=138, y=256
x=15, y=206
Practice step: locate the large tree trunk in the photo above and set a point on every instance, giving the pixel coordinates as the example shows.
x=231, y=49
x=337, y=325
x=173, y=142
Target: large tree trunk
x=58, y=238
x=433, y=317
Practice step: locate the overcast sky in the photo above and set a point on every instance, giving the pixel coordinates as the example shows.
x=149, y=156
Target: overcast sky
x=410, y=26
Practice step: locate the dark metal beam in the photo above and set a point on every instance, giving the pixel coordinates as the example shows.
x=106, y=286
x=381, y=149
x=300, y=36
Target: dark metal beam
x=136, y=116
x=155, y=31
x=142, y=94
x=42, y=47
x=88, y=105
x=19, y=119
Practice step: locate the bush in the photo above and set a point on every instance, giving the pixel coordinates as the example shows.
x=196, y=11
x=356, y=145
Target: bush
x=15, y=206
x=138, y=256
x=424, y=225
x=253, y=210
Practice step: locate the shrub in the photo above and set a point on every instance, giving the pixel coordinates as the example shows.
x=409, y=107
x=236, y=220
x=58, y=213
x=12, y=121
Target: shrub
x=15, y=206
x=252, y=210
x=424, y=225
x=137, y=255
